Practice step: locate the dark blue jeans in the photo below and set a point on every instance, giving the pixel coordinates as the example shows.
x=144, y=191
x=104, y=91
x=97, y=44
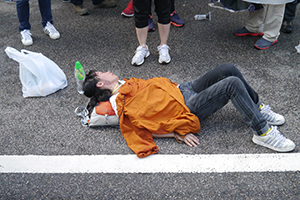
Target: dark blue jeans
x=213, y=90
x=23, y=13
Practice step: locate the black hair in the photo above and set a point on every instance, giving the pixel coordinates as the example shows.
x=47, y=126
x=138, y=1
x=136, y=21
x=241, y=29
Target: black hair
x=95, y=94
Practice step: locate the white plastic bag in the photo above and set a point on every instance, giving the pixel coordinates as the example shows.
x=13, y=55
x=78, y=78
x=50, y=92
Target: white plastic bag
x=39, y=75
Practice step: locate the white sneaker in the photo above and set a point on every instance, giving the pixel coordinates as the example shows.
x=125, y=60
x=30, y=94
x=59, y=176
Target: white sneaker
x=274, y=140
x=271, y=117
x=141, y=53
x=164, y=57
x=26, y=37
x=51, y=31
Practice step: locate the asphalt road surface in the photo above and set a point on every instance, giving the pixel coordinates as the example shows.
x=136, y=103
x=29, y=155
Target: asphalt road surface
x=104, y=40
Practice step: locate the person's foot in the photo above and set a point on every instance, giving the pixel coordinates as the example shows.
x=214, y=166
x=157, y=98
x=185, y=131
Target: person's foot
x=51, y=31
x=141, y=53
x=275, y=141
x=175, y=20
x=271, y=117
x=164, y=56
x=128, y=11
x=151, y=27
x=26, y=38
x=244, y=32
x=106, y=4
x=263, y=44
x=287, y=27
x=80, y=10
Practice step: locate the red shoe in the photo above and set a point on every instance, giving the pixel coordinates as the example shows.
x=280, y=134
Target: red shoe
x=128, y=11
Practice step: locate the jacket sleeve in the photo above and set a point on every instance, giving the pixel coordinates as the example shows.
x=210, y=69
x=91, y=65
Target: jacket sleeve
x=140, y=141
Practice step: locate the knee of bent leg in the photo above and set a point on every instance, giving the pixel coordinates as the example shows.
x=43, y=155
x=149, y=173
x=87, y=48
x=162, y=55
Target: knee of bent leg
x=234, y=83
x=230, y=68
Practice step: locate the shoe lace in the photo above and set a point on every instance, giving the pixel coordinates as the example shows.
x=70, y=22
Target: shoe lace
x=163, y=49
x=267, y=109
x=50, y=28
x=26, y=34
x=275, y=133
x=140, y=52
x=173, y=14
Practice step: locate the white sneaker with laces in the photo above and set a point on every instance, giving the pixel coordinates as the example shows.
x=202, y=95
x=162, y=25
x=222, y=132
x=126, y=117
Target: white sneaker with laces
x=271, y=117
x=164, y=56
x=26, y=37
x=51, y=31
x=141, y=53
x=275, y=141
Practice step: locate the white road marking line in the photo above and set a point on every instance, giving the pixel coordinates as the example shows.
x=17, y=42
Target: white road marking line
x=182, y=163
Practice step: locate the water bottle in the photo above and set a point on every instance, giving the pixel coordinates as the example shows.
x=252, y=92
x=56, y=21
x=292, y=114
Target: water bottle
x=79, y=76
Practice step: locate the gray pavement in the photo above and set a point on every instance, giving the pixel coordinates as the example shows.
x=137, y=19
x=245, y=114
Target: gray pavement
x=105, y=40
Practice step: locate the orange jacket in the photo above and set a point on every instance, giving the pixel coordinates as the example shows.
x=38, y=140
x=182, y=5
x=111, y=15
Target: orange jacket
x=152, y=106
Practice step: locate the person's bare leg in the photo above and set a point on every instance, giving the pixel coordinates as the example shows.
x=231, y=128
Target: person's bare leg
x=142, y=34
x=142, y=51
x=164, y=30
x=163, y=48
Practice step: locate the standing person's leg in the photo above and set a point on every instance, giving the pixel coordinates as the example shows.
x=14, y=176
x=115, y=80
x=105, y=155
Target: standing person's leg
x=289, y=15
x=49, y=29
x=23, y=14
x=175, y=20
x=272, y=24
x=45, y=10
x=141, y=15
x=162, y=9
x=79, y=8
x=255, y=22
x=24, y=27
x=254, y=25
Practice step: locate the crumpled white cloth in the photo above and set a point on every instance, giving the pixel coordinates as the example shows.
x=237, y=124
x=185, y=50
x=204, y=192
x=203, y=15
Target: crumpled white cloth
x=298, y=48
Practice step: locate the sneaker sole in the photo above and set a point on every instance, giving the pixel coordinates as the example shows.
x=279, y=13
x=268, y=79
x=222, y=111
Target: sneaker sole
x=177, y=25
x=271, y=147
x=27, y=44
x=248, y=34
x=164, y=62
x=276, y=123
x=127, y=15
x=263, y=48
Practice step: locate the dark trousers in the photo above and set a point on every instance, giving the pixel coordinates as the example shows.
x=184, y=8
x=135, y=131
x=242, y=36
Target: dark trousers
x=23, y=13
x=290, y=11
x=80, y=2
x=142, y=10
x=213, y=90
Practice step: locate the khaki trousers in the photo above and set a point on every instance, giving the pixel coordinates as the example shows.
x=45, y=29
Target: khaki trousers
x=267, y=20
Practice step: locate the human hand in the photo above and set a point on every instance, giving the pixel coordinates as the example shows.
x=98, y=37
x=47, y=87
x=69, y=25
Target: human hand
x=191, y=140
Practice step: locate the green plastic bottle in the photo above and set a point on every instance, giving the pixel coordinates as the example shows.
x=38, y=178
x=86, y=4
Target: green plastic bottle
x=79, y=76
